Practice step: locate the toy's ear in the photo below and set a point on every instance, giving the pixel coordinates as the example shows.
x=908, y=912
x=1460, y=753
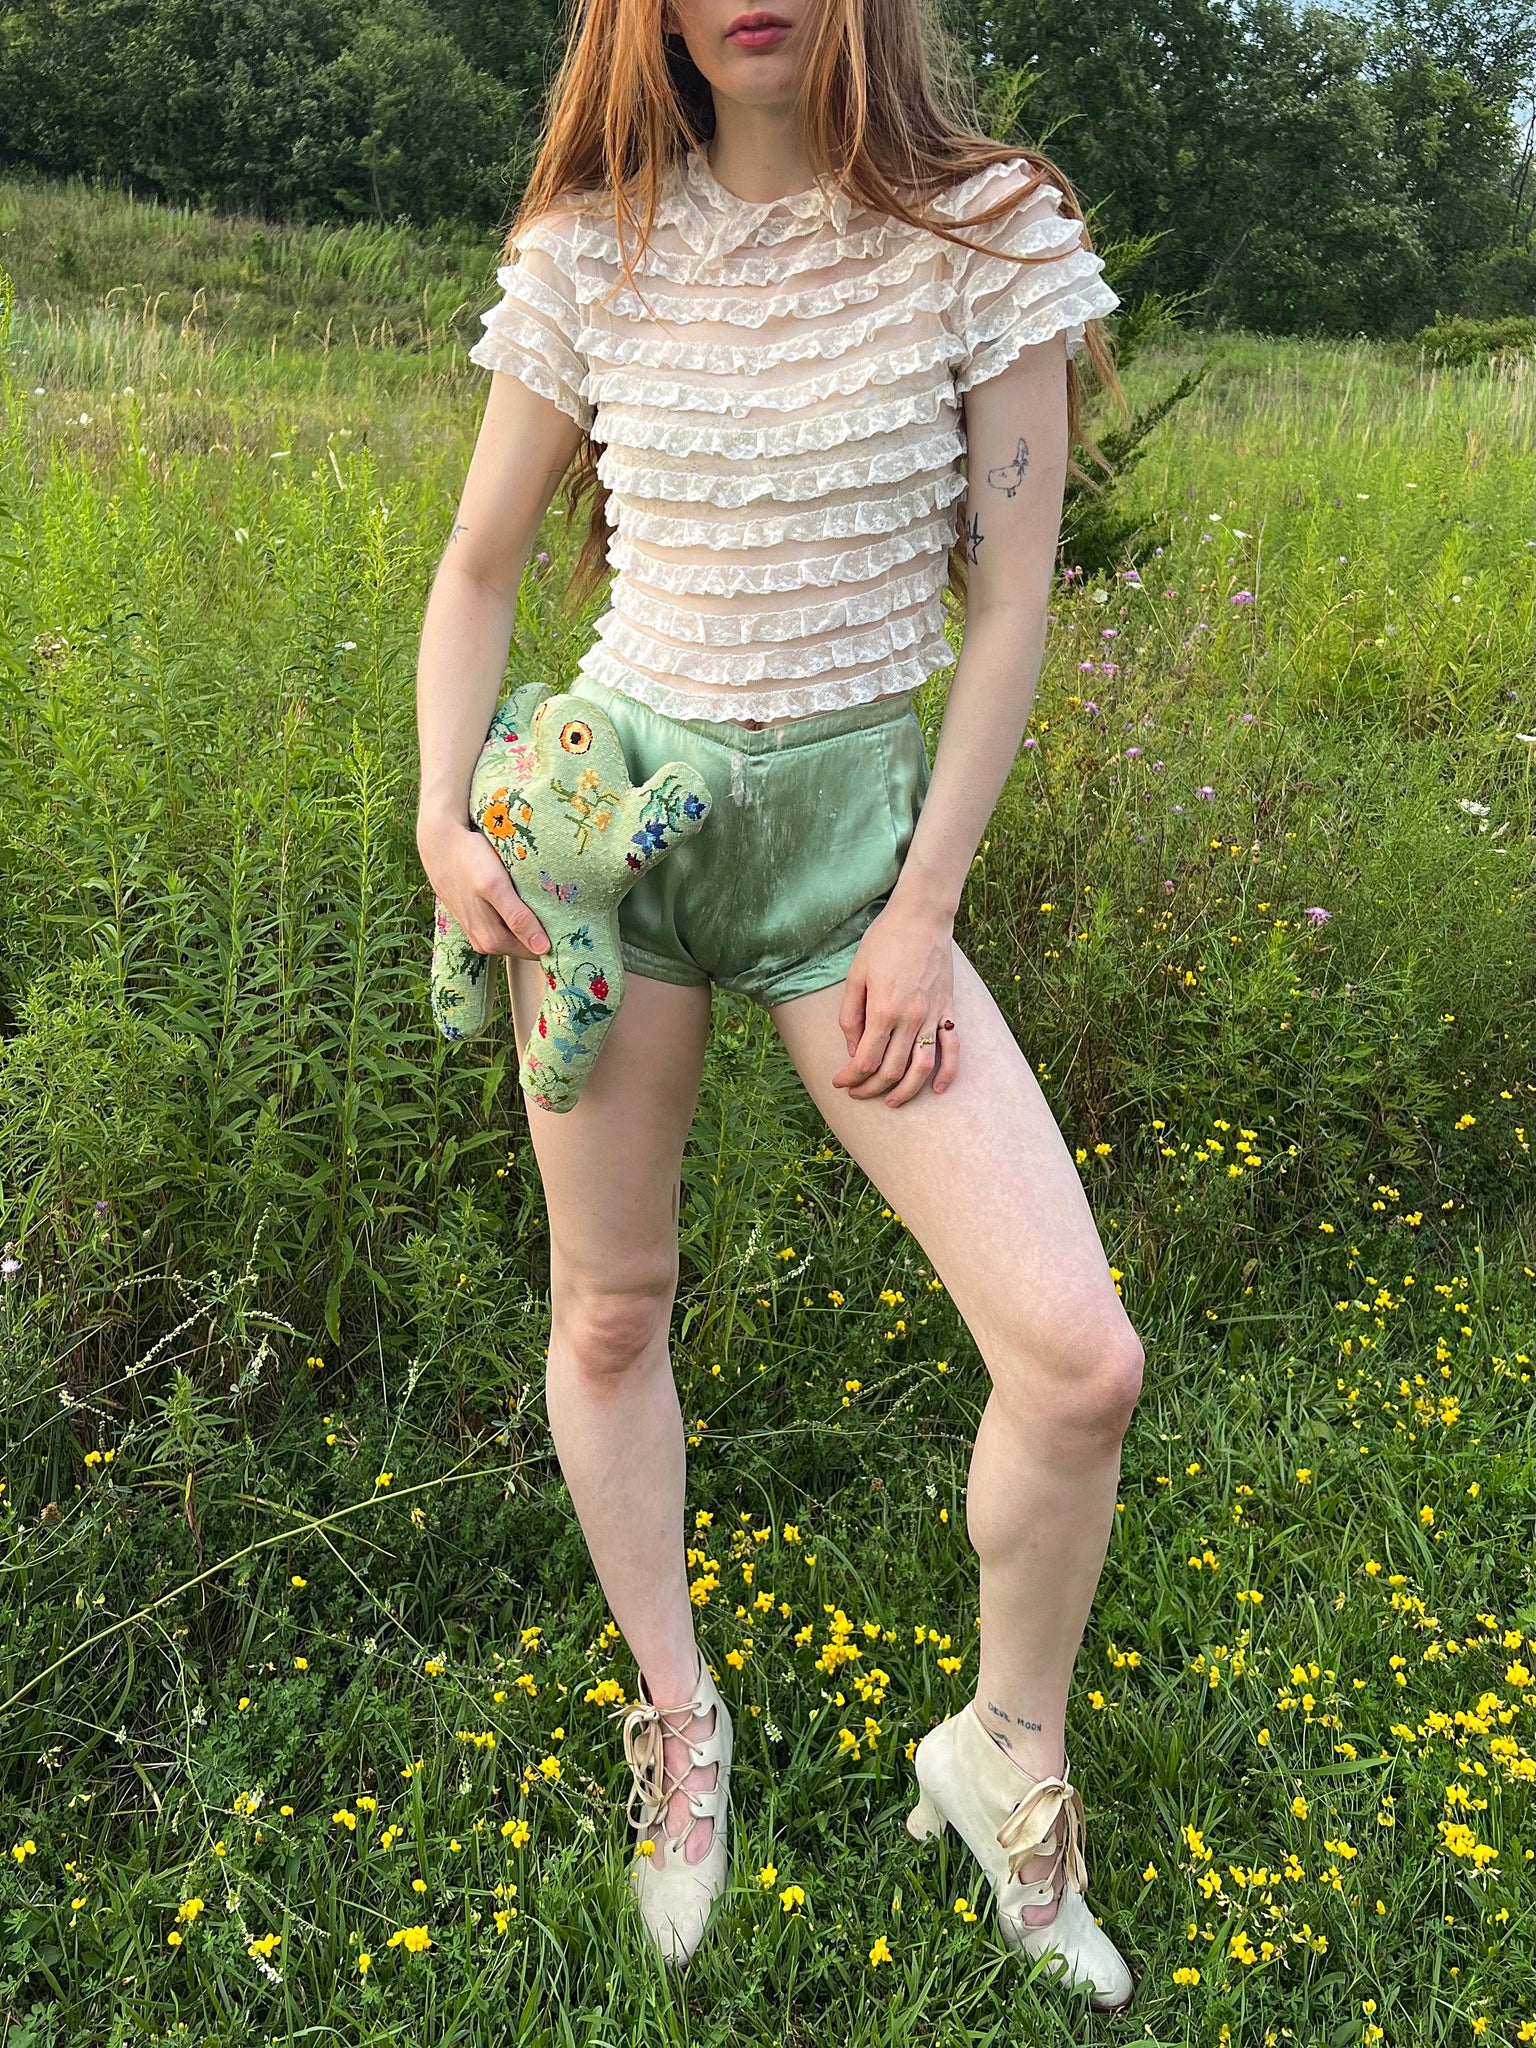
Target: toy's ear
x=515, y=712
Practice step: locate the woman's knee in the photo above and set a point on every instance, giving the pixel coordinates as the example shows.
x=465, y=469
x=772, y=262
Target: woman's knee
x=607, y=1330
x=1084, y=1374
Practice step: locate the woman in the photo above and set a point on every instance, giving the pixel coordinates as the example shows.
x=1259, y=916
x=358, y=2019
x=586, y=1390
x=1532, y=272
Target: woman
x=786, y=293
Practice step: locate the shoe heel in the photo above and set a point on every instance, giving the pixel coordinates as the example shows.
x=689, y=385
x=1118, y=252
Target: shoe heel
x=925, y=1820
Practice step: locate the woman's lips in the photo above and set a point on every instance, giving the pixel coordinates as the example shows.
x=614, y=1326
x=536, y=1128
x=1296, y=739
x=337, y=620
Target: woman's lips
x=758, y=35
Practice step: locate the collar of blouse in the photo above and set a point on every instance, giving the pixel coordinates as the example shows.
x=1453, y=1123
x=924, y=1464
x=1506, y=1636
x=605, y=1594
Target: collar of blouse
x=713, y=221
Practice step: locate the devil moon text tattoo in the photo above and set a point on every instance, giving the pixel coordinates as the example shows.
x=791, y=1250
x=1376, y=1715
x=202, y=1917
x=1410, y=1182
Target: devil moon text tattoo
x=1009, y=475
x=997, y=1734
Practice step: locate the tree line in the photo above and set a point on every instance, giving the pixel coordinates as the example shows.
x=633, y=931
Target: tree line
x=1359, y=168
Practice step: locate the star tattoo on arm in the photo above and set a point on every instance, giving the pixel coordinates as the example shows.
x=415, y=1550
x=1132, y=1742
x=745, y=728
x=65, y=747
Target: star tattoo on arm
x=1009, y=475
x=973, y=538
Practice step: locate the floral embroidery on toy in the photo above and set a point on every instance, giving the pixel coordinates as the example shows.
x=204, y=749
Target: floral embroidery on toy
x=570, y=1011
x=588, y=813
x=507, y=816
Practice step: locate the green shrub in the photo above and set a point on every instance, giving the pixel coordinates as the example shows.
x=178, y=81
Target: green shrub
x=1458, y=343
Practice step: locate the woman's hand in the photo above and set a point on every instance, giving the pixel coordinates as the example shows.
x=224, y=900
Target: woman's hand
x=899, y=989
x=466, y=872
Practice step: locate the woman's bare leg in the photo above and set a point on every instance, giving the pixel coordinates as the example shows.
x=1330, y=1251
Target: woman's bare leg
x=610, y=1169
x=984, y=1181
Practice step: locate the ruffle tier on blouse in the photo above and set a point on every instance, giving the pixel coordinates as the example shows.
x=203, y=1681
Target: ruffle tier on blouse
x=776, y=402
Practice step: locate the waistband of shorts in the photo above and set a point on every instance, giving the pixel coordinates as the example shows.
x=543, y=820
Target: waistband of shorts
x=771, y=739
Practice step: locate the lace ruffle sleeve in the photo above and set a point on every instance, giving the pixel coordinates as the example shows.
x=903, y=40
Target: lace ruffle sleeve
x=533, y=332
x=1003, y=306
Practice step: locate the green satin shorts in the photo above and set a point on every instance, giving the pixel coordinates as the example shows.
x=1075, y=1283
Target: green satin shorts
x=809, y=825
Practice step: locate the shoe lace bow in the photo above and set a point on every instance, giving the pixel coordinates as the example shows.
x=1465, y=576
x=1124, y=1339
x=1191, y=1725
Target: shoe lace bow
x=1030, y=1828
x=643, y=1737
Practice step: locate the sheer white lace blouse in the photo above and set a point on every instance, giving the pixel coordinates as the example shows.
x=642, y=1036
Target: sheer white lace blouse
x=779, y=423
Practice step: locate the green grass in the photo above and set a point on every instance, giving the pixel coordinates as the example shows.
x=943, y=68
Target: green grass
x=87, y=255
x=274, y=1239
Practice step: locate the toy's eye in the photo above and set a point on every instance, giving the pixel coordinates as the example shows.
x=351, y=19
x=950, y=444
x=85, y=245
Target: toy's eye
x=576, y=737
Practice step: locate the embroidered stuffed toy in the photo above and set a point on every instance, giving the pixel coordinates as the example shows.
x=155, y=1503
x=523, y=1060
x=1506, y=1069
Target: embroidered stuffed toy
x=552, y=794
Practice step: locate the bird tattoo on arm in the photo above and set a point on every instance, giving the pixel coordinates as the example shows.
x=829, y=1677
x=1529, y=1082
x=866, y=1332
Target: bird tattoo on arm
x=1009, y=475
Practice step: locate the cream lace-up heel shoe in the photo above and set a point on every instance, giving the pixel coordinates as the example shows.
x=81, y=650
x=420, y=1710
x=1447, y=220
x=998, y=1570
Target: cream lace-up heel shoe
x=674, y=1895
x=1006, y=1818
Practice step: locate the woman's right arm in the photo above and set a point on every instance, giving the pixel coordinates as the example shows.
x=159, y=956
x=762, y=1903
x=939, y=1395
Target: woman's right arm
x=524, y=448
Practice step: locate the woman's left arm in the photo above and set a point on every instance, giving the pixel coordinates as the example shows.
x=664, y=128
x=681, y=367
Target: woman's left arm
x=901, y=981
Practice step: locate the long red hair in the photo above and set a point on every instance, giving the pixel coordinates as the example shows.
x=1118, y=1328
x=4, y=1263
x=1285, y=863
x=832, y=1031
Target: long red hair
x=874, y=117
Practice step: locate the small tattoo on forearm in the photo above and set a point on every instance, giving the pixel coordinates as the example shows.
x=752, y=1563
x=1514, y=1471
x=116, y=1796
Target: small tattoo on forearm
x=458, y=528
x=973, y=539
x=1009, y=475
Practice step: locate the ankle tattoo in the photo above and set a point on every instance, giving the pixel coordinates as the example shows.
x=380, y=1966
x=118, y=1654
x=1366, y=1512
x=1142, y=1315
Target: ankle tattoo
x=1012, y=1721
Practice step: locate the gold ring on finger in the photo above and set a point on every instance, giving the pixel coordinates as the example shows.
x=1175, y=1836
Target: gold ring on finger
x=926, y=1041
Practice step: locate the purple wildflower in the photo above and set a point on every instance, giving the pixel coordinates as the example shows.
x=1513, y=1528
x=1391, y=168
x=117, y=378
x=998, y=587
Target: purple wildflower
x=1242, y=597
x=1131, y=753
x=1317, y=915
x=1206, y=793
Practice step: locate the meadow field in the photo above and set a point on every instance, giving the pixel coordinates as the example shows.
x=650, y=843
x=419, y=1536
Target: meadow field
x=308, y=1695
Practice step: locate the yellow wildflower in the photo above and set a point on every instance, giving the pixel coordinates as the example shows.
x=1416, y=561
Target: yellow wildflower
x=415, y=1939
